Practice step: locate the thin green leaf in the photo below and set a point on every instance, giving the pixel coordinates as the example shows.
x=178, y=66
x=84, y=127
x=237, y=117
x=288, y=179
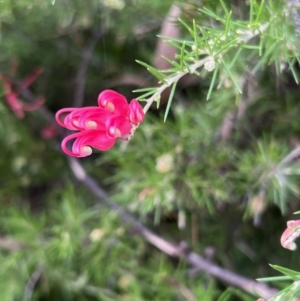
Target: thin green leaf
x=196, y=40
x=170, y=101
x=182, y=56
x=264, y=58
x=178, y=41
x=145, y=95
x=291, y=273
x=143, y=64
x=260, y=11
x=251, y=12
x=292, y=68
x=173, y=43
x=154, y=72
x=226, y=46
x=227, y=24
x=211, y=14
x=144, y=90
x=212, y=83
x=231, y=76
x=186, y=26
x=261, y=42
x=225, y=8
x=173, y=63
x=170, y=72
x=216, y=43
x=247, y=46
x=230, y=66
x=158, y=75
x=205, y=37
x=274, y=279
x=157, y=103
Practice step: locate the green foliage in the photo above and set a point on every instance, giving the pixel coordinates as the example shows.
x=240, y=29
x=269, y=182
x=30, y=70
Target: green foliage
x=168, y=155
x=203, y=176
x=289, y=292
x=73, y=250
x=209, y=47
x=23, y=158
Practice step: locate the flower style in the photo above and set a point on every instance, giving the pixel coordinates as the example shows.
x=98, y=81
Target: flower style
x=290, y=234
x=99, y=126
x=12, y=96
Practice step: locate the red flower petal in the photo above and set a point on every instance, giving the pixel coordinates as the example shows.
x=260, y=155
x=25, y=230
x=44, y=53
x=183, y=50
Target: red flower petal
x=94, y=119
x=118, y=126
x=78, y=118
x=290, y=234
x=84, y=140
x=136, y=113
x=66, y=123
x=12, y=99
x=113, y=102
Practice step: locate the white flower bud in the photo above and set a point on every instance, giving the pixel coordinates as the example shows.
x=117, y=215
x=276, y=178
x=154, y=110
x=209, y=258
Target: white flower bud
x=210, y=65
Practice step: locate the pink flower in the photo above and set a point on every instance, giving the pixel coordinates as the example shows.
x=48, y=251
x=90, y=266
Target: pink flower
x=290, y=234
x=12, y=96
x=101, y=125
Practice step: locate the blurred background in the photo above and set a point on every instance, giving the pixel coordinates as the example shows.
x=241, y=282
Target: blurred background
x=207, y=177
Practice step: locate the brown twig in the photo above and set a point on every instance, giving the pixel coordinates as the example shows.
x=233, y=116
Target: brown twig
x=10, y=244
x=293, y=155
x=32, y=282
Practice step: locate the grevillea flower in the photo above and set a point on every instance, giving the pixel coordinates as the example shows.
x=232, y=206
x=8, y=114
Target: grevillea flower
x=101, y=125
x=12, y=95
x=290, y=234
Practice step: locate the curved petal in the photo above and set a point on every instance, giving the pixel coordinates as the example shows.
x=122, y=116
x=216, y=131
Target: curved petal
x=95, y=139
x=113, y=102
x=291, y=233
x=70, y=121
x=93, y=119
x=64, y=123
x=64, y=147
x=118, y=127
x=136, y=113
x=85, y=140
